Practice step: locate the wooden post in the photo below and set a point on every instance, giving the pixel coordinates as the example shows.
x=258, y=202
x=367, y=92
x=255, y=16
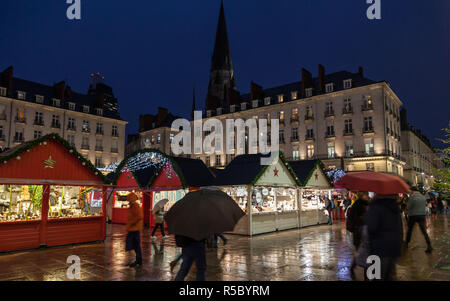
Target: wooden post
x=104, y=200
x=146, y=207
x=44, y=214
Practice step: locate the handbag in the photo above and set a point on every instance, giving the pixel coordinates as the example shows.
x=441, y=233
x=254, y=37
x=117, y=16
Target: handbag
x=363, y=251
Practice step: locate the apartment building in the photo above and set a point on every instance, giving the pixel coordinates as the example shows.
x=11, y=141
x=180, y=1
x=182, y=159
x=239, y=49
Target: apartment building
x=90, y=122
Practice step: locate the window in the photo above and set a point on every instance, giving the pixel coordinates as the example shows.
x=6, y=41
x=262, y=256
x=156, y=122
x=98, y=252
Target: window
x=219, y=111
x=329, y=109
x=243, y=106
x=85, y=128
x=98, y=162
x=309, y=133
x=72, y=106
x=99, y=111
x=18, y=137
x=208, y=113
x=330, y=130
x=115, y=131
x=20, y=117
x=295, y=155
x=281, y=136
x=255, y=103
x=309, y=113
x=37, y=134
x=294, y=134
x=218, y=160
x=368, y=143
x=38, y=120
x=368, y=124
x=39, y=99
x=308, y=92
x=114, y=146
x=158, y=140
x=329, y=88
x=98, y=145
x=280, y=98
x=85, y=109
x=71, y=139
x=370, y=166
x=71, y=124
x=349, y=148
x=348, y=127
x=208, y=161
x=56, y=102
x=294, y=114
x=347, y=84
x=21, y=95
x=367, y=103
x=310, y=151
x=85, y=143
x=294, y=95
x=267, y=101
x=171, y=137
x=2, y=91
x=347, y=106
x=99, y=130
x=281, y=116
x=232, y=108
x=55, y=121
x=330, y=147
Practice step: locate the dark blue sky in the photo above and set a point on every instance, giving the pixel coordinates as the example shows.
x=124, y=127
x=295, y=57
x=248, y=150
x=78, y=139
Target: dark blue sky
x=152, y=52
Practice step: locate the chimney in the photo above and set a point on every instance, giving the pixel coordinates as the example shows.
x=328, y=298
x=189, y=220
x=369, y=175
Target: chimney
x=321, y=79
x=233, y=97
x=360, y=71
x=58, y=90
x=161, y=116
x=403, y=120
x=145, y=122
x=6, y=79
x=256, y=91
x=212, y=102
x=306, y=81
x=67, y=92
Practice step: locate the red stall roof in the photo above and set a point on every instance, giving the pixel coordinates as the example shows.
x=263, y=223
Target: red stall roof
x=47, y=160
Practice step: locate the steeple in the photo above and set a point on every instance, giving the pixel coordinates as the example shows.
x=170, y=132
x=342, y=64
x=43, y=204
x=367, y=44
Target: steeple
x=221, y=73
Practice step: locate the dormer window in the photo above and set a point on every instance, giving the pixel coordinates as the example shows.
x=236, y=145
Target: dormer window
x=99, y=111
x=219, y=111
x=243, y=106
x=208, y=113
x=2, y=91
x=255, y=103
x=39, y=99
x=85, y=109
x=267, y=101
x=329, y=87
x=21, y=95
x=347, y=84
x=308, y=92
x=232, y=108
x=280, y=98
x=294, y=95
x=72, y=106
x=56, y=102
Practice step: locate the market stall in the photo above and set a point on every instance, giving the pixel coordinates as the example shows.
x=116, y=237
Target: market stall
x=273, y=201
x=49, y=195
x=315, y=186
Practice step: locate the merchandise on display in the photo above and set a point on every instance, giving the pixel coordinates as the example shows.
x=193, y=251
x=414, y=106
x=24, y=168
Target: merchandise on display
x=20, y=202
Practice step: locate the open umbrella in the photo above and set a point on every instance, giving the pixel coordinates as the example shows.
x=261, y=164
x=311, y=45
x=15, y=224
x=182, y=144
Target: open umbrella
x=160, y=204
x=202, y=213
x=377, y=182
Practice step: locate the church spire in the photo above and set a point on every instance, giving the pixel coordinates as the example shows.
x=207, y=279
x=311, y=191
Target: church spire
x=221, y=73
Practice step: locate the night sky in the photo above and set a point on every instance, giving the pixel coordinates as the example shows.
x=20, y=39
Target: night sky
x=152, y=52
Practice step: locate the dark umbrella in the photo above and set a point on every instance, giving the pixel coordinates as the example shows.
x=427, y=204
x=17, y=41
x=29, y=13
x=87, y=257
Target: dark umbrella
x=202, y=213
x=377, y=182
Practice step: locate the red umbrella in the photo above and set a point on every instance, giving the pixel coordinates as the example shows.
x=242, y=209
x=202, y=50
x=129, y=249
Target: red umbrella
x=377, y=182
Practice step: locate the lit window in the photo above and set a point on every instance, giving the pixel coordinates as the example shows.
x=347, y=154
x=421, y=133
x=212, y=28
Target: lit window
x=368, y=143
x=329, y=87
x=21, y=95
x=331, y=153
x=308, y=92
x=280, y=98
x=294, y=95
x=295, y=155
x=310, y=151
x=56, y=102
x=255, y=103
x=348, y=148
x=267, y=101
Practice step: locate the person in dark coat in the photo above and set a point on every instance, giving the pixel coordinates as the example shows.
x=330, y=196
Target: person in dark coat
x=416, y=209
x=329, y=208
x=192, y=251
x=385, y=231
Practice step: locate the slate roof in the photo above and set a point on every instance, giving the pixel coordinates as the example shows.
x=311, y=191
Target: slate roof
x=304, y=168
x=194, y=172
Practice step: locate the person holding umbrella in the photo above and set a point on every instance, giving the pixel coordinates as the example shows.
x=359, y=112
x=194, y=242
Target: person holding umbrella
x=194, y=218
x=134, y=228
x=158, y=214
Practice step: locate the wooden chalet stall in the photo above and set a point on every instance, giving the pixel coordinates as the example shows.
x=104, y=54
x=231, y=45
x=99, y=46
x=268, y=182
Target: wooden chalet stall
x=272, y=190
x=49, y=196
x=314, y=187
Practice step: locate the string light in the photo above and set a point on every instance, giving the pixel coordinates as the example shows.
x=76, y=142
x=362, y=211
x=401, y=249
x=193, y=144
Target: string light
x=335, y=174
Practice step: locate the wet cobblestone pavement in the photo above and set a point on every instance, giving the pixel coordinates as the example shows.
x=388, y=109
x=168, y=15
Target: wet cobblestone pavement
x=315, y=253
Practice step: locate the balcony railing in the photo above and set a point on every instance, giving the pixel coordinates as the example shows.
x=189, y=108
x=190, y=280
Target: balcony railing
x=367, y=107
x=56, y=125
x=308, y=137
x=294, y=119
x=86, y=130
x=294, y=139
x=98, y=148
x=348, y=132
x=114, y=150
x=71, y=128
x=329, y=135
x=368, y=130
x=99, y=132
x=20, y=120
x=39, y=122
x=309, y=117
x=2, y=137
x=348, y=110
x=18, y=139
x=329, y=113
x=85, y=146
x=115, y=134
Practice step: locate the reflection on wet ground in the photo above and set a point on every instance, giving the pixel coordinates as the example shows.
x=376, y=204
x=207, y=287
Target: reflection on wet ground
x=315, y=253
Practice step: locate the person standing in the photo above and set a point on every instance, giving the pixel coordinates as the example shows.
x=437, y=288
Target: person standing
x=416, y=214
x=134, y=228
x=355, y=221
x=192, y=251
x=384, y=226
x=159, y=223
x=329, y=208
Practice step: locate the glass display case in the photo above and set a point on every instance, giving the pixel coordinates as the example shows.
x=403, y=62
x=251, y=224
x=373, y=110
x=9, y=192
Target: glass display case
x=313, y=199
x=74, y=202
x=270, y=199
x=238, y=194
x=20, y=202
x=173, y=196
x=121, y=198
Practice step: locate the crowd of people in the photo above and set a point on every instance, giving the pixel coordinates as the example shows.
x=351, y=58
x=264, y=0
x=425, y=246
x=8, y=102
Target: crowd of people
x=377, y=223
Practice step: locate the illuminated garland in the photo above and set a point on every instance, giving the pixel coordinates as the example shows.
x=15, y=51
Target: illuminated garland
x=335, y=174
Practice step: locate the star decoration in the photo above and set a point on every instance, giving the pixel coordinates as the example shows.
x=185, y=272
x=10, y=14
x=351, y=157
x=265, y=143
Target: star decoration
x=275, y=172
x=49, y=163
